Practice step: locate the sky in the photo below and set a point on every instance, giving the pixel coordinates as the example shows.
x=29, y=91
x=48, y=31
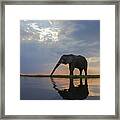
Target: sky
x=43, y=42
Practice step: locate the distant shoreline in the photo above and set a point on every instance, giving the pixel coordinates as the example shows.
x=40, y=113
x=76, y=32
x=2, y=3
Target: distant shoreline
x=61, y=76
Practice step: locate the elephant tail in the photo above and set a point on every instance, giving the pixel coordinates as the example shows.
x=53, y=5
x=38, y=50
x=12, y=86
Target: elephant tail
x=86, y=66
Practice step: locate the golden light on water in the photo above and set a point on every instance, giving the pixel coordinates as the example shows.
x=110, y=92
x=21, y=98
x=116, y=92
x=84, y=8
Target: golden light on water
x=93, y=84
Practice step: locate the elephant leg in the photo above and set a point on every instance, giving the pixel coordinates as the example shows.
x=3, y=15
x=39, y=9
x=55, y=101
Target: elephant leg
x=71, y=72
x=85, y=71
x=86, y=81
x=80, y=72
x=71, y=68
x=80, y=78
x=81, y=83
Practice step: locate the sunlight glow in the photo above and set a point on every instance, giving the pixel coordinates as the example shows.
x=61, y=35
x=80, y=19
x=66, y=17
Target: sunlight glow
x=48, y=34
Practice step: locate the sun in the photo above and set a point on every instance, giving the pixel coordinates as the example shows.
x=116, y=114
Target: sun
x=49, y=34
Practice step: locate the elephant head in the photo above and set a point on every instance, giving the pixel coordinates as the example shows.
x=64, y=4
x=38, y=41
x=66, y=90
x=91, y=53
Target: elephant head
x=65, y=59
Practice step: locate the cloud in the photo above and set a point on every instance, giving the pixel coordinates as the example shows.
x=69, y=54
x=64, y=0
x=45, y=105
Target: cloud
x=93, y=59
x=66, y=33
x=43, y=42
x=62, y=28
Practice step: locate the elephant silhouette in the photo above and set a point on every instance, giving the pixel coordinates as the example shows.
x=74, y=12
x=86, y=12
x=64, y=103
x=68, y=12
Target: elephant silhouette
x=74, y=61
x=79, y=92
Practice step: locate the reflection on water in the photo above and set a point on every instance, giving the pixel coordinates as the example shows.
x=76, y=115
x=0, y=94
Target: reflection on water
x=79, y=92
x=38, y=88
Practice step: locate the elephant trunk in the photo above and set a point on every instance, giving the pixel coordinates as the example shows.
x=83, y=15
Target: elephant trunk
x=55, y=68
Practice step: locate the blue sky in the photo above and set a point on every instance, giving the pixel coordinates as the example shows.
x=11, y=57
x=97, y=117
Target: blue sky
x=44, y=41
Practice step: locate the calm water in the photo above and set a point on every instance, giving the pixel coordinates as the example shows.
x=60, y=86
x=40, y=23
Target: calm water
x=40, y=88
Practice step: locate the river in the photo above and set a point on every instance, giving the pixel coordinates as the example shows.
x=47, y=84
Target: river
x=46, y=88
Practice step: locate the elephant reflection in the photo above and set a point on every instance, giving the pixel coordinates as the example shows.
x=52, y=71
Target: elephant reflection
x=73, y=93
x=74, y=61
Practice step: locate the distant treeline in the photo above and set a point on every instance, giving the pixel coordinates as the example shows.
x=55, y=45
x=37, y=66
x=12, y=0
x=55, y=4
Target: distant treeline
x=61, y=76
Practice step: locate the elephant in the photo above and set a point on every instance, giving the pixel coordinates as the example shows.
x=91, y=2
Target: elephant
x=74, y=61
x=79, y=92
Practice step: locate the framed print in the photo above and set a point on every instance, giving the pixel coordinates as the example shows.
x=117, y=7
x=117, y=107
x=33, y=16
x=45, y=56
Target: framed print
x=60, y=60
